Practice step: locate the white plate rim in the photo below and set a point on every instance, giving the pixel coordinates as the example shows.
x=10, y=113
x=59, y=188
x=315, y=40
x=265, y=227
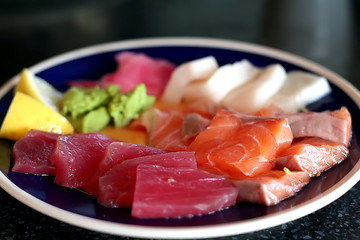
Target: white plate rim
x=218, y=230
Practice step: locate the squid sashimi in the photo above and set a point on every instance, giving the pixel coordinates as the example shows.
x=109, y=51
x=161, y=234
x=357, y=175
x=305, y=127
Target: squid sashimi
x=225, y=79
x=170, y=193
x=300, y=89
x=196, y=70
x=271, y=187
x=255, y=94
x=313, y=155
x=76, y=158
x=237, y=144
x=31, y=153
x=331, y=125
x=116, y=187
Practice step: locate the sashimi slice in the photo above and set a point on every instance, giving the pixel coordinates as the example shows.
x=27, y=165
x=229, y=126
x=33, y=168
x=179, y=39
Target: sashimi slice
x=171, y=129
x=300, y=89
x=196, y=70
x=271, y=187
x=313, y=155
x=225, y=79
x=31, y=153
x=255, y=94
x=171, y=193
x=77, y=156
x=116, y=187
x=238, y=144
x=331, y=125
x=136, y=68
x=116, y=153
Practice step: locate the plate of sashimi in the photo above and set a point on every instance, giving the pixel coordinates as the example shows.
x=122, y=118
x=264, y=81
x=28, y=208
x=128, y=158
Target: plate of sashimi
x=178, y=137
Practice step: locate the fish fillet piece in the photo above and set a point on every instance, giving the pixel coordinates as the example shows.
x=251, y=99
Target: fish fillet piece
x=237, y=144
x=271, y=187
x=313, y=155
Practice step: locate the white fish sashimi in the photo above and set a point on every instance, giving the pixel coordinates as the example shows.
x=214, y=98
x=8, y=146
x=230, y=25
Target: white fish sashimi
x=255, y=94
x=225, y=79
x=196, y=70
x=300, y=89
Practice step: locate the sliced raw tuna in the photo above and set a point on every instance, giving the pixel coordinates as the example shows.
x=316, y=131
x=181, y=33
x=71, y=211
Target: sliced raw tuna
x=237, y=144
x=116, y=187
x=331, y=125
x=162, y=192
x=31, y=153
x=116, y=153
x=271, y=187
x=76, y=158
x=136, y=68
x=313, y=155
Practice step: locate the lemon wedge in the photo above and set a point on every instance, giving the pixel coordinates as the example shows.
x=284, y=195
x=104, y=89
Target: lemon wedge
x=27, y=113
x=39, y=89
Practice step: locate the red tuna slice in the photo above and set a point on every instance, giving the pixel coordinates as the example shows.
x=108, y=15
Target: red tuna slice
x=116, y=153
x=116, y=187
x=271, y=187
x=236, y=144
x=162, y=192
x=136, y=68
x=76, y=158
x=31, y=153
x=313, y=155
x=331, y=125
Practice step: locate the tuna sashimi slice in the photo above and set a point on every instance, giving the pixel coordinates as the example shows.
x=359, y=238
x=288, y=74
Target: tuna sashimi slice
x=136, y=68
x=271, y=187
x=77, y=156
x=313, y=155
x=169, y=193
x=31, y=153
x=331, y=125
x=237, y=144
x=116, y=153
x=116, y=187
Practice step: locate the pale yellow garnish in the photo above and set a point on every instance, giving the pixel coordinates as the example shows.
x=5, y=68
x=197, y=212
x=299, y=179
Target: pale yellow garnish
x=39, y=89
x=27, y=113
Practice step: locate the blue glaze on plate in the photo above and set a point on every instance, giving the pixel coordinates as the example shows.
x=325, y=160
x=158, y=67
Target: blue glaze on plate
x=94, y=66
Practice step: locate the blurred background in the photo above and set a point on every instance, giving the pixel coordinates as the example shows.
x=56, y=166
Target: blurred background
x=324, y=31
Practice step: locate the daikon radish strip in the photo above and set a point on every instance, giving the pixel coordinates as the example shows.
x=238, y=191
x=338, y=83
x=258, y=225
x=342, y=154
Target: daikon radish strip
x=300, y=89
x=225, y=79
x=255, y=94
x=195, y=70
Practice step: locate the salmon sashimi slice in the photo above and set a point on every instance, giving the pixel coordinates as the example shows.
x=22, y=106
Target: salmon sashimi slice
x=271, y=187
x=171, y=129
x=237, y=144
x=312, y=155
x=331, y=125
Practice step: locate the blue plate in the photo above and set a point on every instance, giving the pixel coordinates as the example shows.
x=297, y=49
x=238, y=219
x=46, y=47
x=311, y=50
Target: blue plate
x=77, y=208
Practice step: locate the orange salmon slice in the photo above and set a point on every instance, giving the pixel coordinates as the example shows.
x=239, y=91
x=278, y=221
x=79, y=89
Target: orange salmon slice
x=238, y=144
x=312, y=155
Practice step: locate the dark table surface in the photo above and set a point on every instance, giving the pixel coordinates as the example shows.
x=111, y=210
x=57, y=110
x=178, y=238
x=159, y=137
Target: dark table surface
x=324, y=31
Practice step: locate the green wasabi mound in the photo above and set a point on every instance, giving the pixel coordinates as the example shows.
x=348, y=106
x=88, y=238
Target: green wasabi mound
x=92, y=109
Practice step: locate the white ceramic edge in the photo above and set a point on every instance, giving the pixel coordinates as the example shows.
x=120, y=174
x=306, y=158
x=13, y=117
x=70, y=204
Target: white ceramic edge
x=207, y=231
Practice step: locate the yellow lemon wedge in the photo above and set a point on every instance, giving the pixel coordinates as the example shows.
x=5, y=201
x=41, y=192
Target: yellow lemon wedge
x=27, y=113
x=39, y=89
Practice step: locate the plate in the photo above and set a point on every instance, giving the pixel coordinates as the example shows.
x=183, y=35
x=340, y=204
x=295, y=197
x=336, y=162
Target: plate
x=76, y=208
